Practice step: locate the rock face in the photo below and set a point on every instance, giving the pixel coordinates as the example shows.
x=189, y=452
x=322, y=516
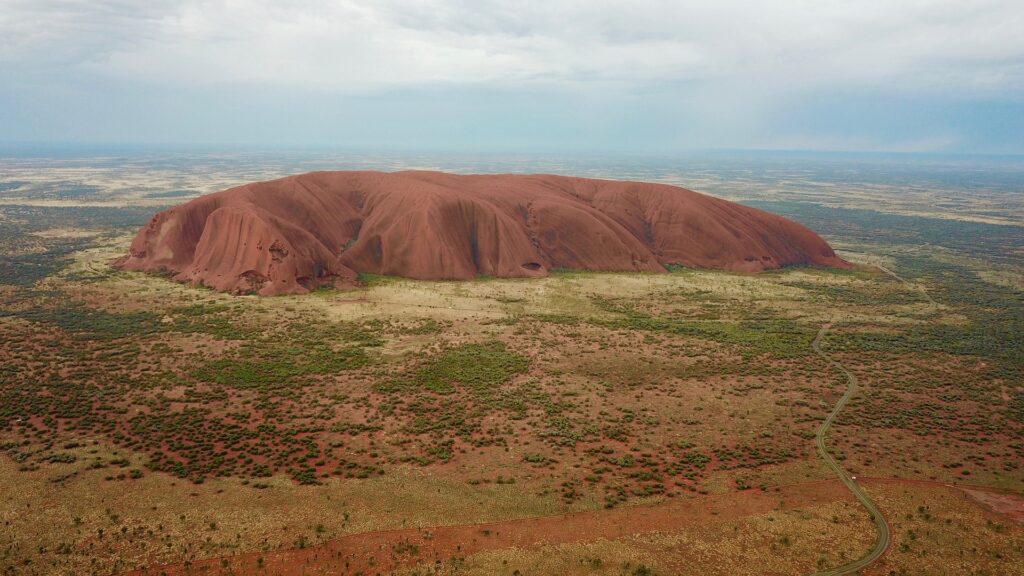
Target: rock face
x=291, y=235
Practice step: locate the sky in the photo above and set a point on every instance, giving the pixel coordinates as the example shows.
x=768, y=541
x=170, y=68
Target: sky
x=644, y=76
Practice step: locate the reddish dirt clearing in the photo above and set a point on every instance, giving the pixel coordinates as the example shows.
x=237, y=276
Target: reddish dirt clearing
x=1005, y=504
x=380, y=552
x=375, y=552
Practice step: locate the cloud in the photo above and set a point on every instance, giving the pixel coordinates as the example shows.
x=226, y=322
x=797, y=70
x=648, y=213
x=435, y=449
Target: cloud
x=643, y=72
x=351, y=46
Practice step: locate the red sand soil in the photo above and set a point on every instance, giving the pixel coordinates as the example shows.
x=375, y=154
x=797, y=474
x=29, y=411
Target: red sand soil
x=384, y=551
x=291, y=235
x=1008, y=505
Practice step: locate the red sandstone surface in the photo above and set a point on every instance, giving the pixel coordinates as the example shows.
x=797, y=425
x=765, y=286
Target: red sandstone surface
x=291, y=235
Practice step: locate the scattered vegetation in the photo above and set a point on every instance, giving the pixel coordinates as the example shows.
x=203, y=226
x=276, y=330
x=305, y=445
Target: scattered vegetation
x=610, y=391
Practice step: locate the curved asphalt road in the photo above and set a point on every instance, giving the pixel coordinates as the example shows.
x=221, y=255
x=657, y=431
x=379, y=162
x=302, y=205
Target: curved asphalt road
x=884, y=536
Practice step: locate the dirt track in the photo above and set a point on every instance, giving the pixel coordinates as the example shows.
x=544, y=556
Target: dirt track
x=382, y=551
x=374, y=552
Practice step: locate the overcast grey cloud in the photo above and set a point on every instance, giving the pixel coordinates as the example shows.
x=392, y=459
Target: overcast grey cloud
x=655, y=73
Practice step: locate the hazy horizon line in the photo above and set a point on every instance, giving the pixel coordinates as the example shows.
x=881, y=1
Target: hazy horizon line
x=35, y=147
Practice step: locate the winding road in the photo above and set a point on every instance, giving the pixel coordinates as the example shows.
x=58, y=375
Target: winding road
x=884, y=534
x=347, y=552
x=375, y=550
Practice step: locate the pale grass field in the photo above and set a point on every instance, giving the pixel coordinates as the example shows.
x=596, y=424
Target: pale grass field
x=221, y=517
x=568, y=293
x=780, y=542
x=936, y=531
